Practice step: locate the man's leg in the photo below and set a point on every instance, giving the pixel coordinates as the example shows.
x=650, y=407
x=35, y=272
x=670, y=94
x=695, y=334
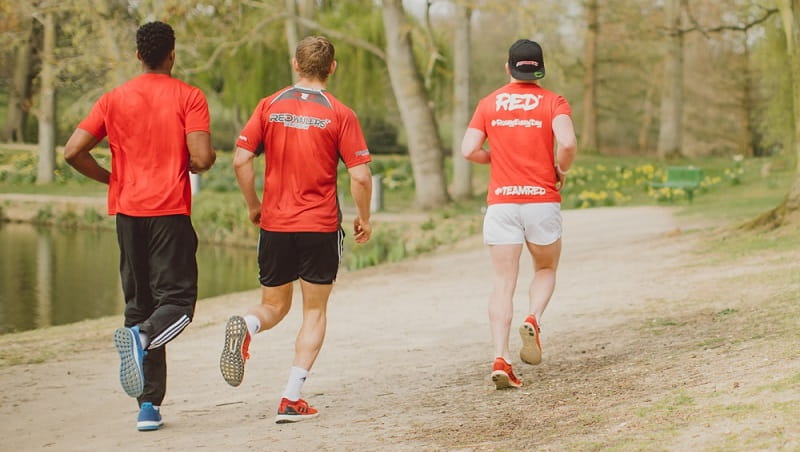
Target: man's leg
x=277, y=264
x=275, y=304
x=318, y=258
x=545, y=262
x=173, y=282
x=505, y=261
x=134, y=272
x=307, y=346
x=312, y=331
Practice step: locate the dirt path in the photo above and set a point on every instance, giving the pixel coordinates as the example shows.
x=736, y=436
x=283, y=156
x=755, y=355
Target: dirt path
x=406, y=362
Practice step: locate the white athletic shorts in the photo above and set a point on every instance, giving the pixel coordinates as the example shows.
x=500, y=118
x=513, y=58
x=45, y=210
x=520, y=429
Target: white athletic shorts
x=511, y=224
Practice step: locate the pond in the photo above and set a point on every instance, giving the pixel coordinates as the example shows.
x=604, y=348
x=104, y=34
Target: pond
x=50, y=276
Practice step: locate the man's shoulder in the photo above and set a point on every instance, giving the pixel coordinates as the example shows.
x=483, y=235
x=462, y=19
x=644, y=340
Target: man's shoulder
x=337, y=104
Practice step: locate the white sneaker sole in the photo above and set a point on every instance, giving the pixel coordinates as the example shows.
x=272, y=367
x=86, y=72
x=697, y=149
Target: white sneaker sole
x=231, y=362
x=146, y=426
x=131, y=373
x=530, y=352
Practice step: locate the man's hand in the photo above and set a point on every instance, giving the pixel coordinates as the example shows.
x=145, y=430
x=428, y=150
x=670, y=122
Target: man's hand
x=255, y=214
x=561, y=179
x=362, y=230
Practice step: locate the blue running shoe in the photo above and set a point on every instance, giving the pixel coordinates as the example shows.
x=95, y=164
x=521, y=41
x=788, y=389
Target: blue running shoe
x=149, y=418
x=131, y=355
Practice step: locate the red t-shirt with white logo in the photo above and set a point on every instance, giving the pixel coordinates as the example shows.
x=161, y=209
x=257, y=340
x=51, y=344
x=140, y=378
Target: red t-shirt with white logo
x=304, y=133
x=518, y=122
x=146, y=120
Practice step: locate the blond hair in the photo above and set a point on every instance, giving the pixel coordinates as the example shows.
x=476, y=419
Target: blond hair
x=314, y=55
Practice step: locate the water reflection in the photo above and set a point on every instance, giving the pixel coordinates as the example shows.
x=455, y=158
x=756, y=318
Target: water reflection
x=54, y=277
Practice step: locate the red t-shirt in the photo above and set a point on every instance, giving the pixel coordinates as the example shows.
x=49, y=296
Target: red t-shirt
x=304, y=133
x=146, y=120
x=518, y=121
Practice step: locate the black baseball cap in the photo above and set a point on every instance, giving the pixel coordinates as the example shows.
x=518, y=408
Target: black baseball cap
x=525, y=60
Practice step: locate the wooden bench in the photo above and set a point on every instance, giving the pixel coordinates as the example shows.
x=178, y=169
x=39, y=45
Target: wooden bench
x=686, y=178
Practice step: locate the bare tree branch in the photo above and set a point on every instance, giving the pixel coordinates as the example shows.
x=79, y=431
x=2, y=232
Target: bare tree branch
x=353, y=41
x=212, y=59
x=740, y=27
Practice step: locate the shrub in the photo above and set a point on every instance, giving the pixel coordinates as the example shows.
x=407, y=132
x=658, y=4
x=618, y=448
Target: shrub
x=381, y=136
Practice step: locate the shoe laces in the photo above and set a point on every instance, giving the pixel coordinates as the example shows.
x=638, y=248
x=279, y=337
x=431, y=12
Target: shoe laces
x=301, y=406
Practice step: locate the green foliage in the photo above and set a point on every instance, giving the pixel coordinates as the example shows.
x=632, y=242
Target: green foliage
x=392, y=242
x=381, y=136
x=222, y=178
x=396, y=172
x=603, y=185
x=93, y=217
x=361, y=80
x=223, y=218
x=44, y=215
x=19, y=168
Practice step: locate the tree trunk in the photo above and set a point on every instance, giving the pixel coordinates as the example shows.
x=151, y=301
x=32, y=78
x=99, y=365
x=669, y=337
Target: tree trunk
x=790, y=16
x=47, y=104
x=424, y=145
x=647, y=117
x=19, y=96
x=306, y=11
x=589, y=131
x=789, y=209
x=291, y=32
x=746, y=142
x=671, y=129
x=462, y=170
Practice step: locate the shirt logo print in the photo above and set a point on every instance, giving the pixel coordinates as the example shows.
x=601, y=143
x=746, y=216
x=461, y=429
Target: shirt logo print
x=299, y=122
x=511, y=102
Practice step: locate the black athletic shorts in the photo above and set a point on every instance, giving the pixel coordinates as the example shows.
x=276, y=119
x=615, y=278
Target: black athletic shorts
x=285, y=256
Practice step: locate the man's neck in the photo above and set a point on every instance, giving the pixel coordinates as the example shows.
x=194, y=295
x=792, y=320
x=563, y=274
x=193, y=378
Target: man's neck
x=158, y=70
x=532, y=82
x=309, y=83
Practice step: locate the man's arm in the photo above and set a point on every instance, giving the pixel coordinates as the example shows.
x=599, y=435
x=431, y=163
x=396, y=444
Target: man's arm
x=246, y=177
x=567, y=145
x=361, y=190
x=201, y=154
x=471, y=147
x=76, y=153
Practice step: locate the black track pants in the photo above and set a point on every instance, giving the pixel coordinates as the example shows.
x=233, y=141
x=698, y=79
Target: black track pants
x=158, y=269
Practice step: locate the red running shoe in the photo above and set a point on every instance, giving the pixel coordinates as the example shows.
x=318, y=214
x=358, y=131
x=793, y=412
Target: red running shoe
x=531, y=351
x=502, y=375
x=290, y=411
x=236, y=350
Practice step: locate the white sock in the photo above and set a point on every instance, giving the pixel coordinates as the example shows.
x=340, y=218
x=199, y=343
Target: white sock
x=297, y=377
x=144, y=340
x=253, y=324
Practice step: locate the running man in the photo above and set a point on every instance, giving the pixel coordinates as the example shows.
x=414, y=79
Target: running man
x=158, y=131
x=303, y=131
x=521, y=120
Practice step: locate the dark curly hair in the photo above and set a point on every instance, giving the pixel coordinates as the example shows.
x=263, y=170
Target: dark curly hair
x=154, y=41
